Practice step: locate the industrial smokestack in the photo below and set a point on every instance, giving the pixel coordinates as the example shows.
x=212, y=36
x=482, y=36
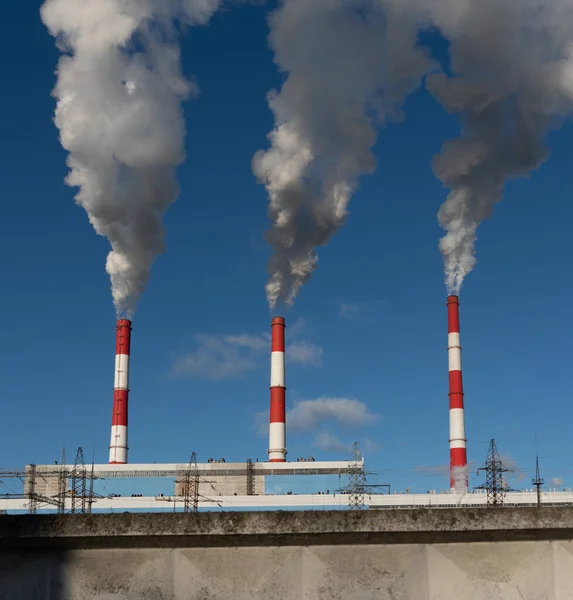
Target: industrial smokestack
x=458, y=456
x=118, y=443
x=277, y=428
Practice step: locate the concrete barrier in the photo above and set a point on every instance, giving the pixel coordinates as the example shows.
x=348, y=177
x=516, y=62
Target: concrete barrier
x=482, y=554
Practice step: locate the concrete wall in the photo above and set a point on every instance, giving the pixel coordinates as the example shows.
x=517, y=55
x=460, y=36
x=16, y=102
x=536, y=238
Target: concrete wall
x=39, y=484
x=487, y=554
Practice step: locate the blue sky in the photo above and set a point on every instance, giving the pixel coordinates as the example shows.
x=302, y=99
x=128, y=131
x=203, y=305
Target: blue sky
x=370, y=326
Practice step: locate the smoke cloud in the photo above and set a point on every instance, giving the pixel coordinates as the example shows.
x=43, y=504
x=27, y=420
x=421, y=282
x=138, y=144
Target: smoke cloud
x=219, y=357
x=119, y=92
x=348, y=66
x=459, y=480
x=511, y=81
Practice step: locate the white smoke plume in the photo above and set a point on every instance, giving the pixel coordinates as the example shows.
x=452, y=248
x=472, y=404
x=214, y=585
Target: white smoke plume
x=119, y=92
x=511, y=81
x=348, y=65
x=459, y=476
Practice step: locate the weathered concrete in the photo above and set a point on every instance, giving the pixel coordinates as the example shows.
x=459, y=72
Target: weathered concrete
x=485, y=554
x=284, y=528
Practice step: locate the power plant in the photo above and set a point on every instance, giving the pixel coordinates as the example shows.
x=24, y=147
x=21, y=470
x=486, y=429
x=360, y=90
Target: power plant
x=222, y=532
x=221, y=484
x=491, y=84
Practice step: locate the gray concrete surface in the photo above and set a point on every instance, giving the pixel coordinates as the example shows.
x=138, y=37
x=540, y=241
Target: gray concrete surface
x=487, y=554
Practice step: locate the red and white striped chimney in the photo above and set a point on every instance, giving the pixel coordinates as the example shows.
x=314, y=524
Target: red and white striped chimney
x=458, y=456
x=277, y=428
x=118, y=443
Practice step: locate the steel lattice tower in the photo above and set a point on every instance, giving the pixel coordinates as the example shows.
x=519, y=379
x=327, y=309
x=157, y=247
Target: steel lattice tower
x=62, y=484
x=78, y=483
x=356, y=479
x=494, y=483
x=91, y=494
x=32, y=497
x=191, y=485
x=357, y=488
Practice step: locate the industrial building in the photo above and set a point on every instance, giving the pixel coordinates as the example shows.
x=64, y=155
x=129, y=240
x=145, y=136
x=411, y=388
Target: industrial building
x=232, y=485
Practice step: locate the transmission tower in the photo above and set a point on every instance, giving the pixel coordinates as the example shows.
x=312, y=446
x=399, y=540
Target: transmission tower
x=494, y=483
x=32, y=497
x=62, y=484
x=91, y=494
x=191, y=485
x=78, y=483
x=537, y=481
x=357, y=487
x=356, y=479
x=190, y=481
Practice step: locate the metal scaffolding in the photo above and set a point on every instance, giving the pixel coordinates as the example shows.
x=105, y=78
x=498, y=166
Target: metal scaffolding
x=34, y=499
x=250, y=478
